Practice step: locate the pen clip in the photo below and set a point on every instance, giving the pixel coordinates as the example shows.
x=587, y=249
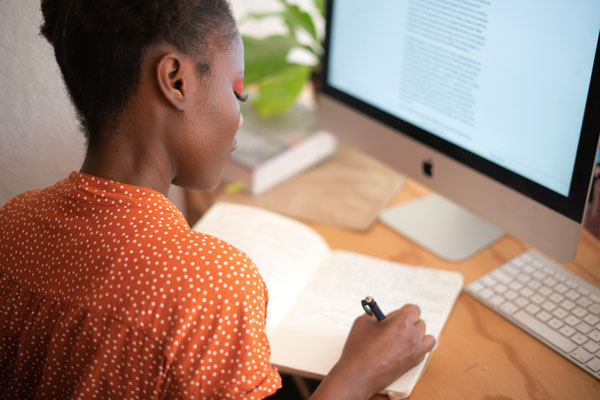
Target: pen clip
x=366, y=305
x=371, y=308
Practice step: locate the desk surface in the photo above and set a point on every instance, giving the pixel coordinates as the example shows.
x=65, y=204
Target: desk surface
x=480, y=354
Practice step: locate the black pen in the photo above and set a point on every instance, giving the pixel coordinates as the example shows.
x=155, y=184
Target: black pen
x=371, y=307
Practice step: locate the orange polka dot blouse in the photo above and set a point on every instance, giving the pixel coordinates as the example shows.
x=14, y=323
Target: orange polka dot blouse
x=106, y=293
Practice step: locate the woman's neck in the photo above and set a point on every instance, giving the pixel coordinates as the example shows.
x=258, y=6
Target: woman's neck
x=131, y=154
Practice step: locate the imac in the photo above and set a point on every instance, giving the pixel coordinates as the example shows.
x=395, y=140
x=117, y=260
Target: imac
x=495, y=105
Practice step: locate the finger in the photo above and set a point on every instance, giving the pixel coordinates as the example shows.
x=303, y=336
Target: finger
x=409, y=311
x=428, y=343
x=364, y=318
x=420, y=327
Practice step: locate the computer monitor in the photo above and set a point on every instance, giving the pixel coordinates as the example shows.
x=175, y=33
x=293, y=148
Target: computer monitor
x=495, y=105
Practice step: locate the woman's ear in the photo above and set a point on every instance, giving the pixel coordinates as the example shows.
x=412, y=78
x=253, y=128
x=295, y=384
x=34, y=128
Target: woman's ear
x=171, y=80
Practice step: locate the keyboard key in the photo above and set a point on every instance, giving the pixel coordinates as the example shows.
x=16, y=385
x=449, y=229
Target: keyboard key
x=571, y=283
x=510, y=270
x=561, y=288
x=572, y=294
x=488, y=280
x=508, y=307
x=526, y=292
x=528, y=268
x=475, y=286
x=584, y=302
x=496, y=300
x=517, y=262
x=522, y=302
x=536, y=285
x=572, y=320
x=595, y=309
x=579, y=338
x=548, y=306
x=545, y=291
x=581, y=355
x=560, y=313
x=555, y=323
x=591, y=319
x=515, y=285
x=510, y=295
x=557, y=298
x=537, y=299
x=501, y=276
x=560, y=277
x=579, y=312
x=583, y=328
x=500, y=288
x=591, y=346
x=567, y=331
x=539, y=275
x=545, y=332
x=532, y=309
x=594, y=364
x=523, y=278
x=594, y=335
x=485, y=293
x=550, y=281
x=595, y=298
x=567, y=305
x=584, y=291
x=543, y=316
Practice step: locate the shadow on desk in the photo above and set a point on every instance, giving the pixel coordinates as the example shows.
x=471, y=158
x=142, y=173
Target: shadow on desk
x=351, y=188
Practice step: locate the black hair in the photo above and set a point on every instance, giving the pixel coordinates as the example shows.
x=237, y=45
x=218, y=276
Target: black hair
x=99, y=46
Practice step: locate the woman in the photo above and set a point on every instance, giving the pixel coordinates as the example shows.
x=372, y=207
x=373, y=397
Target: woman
x=106, y=291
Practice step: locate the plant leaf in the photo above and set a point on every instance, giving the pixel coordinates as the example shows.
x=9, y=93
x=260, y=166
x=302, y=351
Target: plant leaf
x=265, y=57
x=278, y=93
x=294, y=18
x=321, y=6
x=258, y=16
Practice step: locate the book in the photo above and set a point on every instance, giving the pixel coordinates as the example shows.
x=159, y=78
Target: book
x=271, y=151
x=302, y=274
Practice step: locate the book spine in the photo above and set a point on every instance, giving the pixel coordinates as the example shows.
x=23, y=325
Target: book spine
x=298, y=158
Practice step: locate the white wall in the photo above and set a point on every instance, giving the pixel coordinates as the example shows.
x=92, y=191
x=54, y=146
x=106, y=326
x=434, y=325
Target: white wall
x=39, y=138
x=40, y=142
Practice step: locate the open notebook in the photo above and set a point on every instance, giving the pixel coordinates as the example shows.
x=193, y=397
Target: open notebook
x=315, y=293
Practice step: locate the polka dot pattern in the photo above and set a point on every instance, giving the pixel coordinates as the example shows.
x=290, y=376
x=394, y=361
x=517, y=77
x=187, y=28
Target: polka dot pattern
x=105, y=292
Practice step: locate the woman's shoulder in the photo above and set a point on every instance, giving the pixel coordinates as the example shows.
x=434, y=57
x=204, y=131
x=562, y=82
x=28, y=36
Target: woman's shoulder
x=199, y=259
x=207, y=251
x=33, y=200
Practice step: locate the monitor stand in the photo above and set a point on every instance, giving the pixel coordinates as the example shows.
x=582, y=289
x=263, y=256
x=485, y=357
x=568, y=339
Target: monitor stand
x=441, y=227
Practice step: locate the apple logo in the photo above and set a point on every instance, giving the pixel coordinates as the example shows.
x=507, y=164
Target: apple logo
x=428, y=167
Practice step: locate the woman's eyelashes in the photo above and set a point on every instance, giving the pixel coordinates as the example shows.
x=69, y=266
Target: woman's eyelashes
x=238, y=88
x=240, y=96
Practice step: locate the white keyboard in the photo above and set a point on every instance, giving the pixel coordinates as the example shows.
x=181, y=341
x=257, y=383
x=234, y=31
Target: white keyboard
x=548, y=301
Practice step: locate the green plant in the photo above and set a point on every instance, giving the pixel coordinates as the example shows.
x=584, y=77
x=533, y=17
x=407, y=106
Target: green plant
x=276, y=80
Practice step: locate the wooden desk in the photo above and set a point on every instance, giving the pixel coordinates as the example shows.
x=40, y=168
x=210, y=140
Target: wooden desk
x=481, y=355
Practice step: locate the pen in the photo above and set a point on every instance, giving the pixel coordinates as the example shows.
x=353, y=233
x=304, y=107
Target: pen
x=371, y=307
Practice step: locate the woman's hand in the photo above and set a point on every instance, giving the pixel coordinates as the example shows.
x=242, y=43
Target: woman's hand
x=376, y=353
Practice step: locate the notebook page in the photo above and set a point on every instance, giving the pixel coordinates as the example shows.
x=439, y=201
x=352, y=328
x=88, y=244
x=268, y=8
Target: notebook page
x=285, y=251
x=320, y=320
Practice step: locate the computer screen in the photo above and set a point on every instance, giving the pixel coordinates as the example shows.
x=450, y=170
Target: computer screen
x=502, y=97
